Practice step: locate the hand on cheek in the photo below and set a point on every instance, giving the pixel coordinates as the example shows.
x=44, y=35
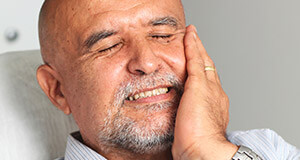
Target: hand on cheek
x=202, y=115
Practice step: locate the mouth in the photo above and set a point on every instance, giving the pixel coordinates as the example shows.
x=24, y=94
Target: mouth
x=147, y=94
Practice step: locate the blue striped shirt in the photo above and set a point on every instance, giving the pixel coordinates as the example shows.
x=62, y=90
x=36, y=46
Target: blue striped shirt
x=264, y=142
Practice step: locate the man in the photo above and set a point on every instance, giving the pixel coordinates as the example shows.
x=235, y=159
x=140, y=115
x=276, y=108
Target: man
x=138, y=83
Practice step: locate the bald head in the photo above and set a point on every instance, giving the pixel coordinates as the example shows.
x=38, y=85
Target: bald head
x=52, y=30
x=62, y=22
x=46, y=31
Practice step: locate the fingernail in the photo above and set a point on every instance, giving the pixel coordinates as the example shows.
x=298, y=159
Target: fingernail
x=195, y=32
x=195, y=35
x=195, y=29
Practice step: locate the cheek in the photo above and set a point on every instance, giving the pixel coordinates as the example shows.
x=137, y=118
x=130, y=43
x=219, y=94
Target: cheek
x=102, y=78
x=174, y=57
x=93, y=91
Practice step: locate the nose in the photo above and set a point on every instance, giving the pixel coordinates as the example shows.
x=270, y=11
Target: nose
x=144, y=60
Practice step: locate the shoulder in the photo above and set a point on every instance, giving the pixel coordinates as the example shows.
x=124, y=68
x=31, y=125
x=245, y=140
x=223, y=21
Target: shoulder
x=265, y=142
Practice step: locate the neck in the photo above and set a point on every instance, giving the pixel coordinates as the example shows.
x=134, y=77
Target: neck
x=117, y=154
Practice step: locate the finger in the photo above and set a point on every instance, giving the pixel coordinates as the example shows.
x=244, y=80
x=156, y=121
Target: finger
x=211, y=75
x=195, y=63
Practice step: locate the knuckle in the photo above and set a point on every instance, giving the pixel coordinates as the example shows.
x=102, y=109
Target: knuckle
x=198, y=61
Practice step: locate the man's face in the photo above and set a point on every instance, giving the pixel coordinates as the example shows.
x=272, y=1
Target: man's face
x=123, y=71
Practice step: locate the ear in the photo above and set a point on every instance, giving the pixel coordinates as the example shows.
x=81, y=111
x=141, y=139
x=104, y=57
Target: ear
x=50, y=83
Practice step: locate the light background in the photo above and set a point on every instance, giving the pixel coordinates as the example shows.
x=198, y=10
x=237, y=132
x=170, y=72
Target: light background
x=22, y=16
x=255, y=45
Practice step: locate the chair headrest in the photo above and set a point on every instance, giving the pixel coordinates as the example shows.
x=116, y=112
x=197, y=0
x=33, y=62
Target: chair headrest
x=30, y=125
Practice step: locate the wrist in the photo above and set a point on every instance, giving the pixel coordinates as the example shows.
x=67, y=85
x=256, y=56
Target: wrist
x=245, y=153
x=212, y=150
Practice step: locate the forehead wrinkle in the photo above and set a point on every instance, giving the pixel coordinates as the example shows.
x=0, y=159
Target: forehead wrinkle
x=105, y=7
x=109, y=25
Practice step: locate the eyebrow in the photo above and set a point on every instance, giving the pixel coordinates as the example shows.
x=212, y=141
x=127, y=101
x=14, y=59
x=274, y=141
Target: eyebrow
x=170, y=21
x=95, y=37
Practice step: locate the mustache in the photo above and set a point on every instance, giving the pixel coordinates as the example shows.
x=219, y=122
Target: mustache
x=152, y=80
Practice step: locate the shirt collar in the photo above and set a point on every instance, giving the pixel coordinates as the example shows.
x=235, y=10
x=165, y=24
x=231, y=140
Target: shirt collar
x=77, y=150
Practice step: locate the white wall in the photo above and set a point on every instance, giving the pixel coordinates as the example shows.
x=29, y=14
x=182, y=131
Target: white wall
x=256, y=47
x=21, y=15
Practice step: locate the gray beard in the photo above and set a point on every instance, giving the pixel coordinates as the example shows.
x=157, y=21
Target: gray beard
x=142, y=137
x=125, y=133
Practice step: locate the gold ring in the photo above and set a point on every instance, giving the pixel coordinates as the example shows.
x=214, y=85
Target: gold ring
x=209, y=68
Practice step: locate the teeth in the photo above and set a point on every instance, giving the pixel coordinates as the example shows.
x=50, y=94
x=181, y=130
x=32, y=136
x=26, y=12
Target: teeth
x=154, y=92
x=136, y=96
x=142, y=95
x=146, y=94
x=161, y=90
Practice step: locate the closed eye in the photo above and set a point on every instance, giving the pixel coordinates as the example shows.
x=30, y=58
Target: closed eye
x=162, y=36
x=110, y=48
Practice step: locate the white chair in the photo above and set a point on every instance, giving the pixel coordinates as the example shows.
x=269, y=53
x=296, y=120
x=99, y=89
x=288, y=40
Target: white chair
x=30, y=126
